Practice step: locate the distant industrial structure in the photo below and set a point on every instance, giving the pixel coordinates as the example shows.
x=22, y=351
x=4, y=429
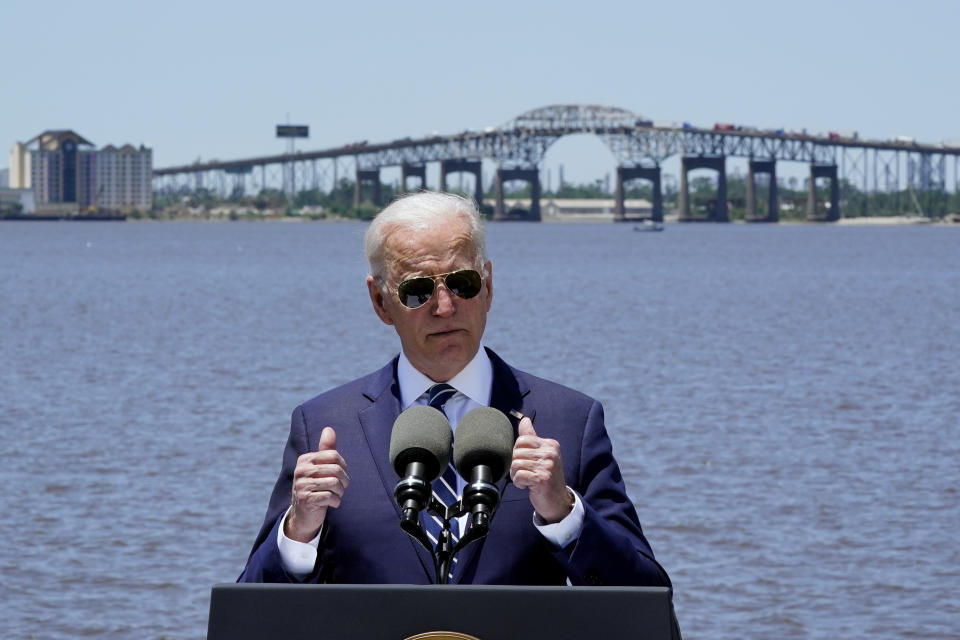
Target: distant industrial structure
x=67, y=175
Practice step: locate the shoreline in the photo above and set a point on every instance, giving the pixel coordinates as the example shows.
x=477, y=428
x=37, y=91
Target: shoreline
x=889, y=221
x=604, y=218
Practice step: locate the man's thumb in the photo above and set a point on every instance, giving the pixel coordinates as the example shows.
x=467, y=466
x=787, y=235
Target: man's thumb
x=525, y=427
x=328, y=439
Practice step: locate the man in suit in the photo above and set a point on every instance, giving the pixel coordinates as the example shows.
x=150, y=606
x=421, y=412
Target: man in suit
x=564, y=516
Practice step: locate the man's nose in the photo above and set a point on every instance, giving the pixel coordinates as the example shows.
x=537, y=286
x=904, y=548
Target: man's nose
x=446, y=305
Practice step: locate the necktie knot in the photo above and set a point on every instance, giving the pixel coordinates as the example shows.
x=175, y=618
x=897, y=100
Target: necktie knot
x=439, y=394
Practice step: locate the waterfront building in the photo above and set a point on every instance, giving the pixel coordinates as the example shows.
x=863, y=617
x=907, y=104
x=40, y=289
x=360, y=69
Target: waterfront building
x=586, y=209
x=123, y=178
x=16, y=201
x=67, y=174
x=593, y=207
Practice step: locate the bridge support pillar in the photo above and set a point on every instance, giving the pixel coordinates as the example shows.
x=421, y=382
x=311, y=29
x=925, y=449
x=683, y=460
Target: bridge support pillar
x=412, y=171
x=466, y=166
x=367, y=175
x=773, y=205
x=646, y=173
x=529, y=175
x=718, y=164
x=823, y=171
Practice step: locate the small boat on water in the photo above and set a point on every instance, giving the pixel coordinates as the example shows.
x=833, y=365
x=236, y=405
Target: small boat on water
x=648, y=225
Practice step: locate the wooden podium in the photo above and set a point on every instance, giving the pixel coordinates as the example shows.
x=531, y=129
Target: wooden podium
x=437, y=612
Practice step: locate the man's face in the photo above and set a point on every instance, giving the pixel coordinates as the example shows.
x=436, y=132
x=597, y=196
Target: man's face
x=441, y=336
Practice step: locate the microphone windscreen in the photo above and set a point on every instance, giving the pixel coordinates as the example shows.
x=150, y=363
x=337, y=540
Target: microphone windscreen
x=484, y=436
x=421, y=434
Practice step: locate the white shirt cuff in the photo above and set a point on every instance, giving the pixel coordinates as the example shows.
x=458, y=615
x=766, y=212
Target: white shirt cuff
x=298, y=558
x=567, y=530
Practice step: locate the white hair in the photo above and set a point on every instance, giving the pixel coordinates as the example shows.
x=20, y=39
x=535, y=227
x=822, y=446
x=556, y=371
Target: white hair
x=425, y=207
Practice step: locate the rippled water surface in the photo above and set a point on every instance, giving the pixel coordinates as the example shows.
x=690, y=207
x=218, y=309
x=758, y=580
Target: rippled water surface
x=784, y=401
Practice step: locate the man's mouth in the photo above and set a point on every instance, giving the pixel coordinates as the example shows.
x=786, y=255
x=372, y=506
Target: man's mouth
x=445, y=332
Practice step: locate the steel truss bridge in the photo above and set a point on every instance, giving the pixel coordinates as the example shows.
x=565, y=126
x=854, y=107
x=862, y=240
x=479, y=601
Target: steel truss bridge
x=639, y=146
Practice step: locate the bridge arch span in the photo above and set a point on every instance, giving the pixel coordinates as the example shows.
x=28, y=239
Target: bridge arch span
x=527, y=138
x=575, y=117
x=534, y=131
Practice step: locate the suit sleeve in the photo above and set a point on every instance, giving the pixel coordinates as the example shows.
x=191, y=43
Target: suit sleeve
x=611, y=548
x=265, y=563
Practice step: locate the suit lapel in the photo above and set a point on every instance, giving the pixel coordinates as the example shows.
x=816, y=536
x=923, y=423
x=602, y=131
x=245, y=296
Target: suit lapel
x=509, y=393
x=376, y=421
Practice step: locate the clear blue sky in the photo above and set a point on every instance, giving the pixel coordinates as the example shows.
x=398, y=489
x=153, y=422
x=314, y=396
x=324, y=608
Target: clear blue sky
x=211, y=79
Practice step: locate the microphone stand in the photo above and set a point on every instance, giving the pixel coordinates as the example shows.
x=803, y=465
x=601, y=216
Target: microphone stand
x=445, y=550
x=480, y=493
x=443, y=554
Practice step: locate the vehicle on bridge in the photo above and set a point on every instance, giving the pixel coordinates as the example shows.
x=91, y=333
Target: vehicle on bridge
x=843, y=135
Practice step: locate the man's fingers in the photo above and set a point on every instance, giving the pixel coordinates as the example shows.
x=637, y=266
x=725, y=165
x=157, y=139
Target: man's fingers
x=326, y=484
x=536, y=464
x=544, y=464
x=526, y=451
x=320, y=477
x=321, y=458
x=319, y=481
x=307, y=501
x=324, y=471
x=532, y=470
x=521, y=479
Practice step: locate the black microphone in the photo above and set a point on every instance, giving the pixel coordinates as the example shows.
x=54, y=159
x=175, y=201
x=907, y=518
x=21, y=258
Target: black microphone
x=419, y=452
x=483, y=451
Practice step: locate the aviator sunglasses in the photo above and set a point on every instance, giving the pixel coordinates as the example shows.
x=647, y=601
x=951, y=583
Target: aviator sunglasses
x=414, y=292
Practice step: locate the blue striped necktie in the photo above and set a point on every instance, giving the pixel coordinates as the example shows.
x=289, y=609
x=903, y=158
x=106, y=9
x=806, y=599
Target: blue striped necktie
x=444, y=487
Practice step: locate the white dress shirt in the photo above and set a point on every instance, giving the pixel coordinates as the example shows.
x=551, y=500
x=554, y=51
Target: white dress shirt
x=474, y=384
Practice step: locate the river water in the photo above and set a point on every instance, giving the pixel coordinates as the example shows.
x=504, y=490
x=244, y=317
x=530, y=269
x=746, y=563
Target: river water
x=783, y=400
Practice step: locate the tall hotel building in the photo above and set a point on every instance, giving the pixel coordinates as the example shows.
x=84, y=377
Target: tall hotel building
x=68, y=175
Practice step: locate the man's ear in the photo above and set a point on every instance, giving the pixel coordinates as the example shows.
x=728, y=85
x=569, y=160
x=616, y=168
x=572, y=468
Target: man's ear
x=488, y=282
x=377, y=300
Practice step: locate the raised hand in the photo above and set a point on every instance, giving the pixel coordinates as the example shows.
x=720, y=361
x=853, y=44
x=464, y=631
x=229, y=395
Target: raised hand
x=538, y=466
x=319, y=481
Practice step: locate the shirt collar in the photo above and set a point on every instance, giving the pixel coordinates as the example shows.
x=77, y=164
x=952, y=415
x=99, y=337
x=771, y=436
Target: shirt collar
x=474, y=381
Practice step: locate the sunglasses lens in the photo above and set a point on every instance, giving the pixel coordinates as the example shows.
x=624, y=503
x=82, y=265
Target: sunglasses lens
x=465, y=284
x=415, y=291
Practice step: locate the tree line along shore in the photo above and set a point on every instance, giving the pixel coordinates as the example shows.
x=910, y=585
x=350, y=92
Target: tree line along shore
x=905, y=206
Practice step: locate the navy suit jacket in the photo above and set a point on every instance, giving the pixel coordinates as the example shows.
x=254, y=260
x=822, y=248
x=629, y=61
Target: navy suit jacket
x=362, y=541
